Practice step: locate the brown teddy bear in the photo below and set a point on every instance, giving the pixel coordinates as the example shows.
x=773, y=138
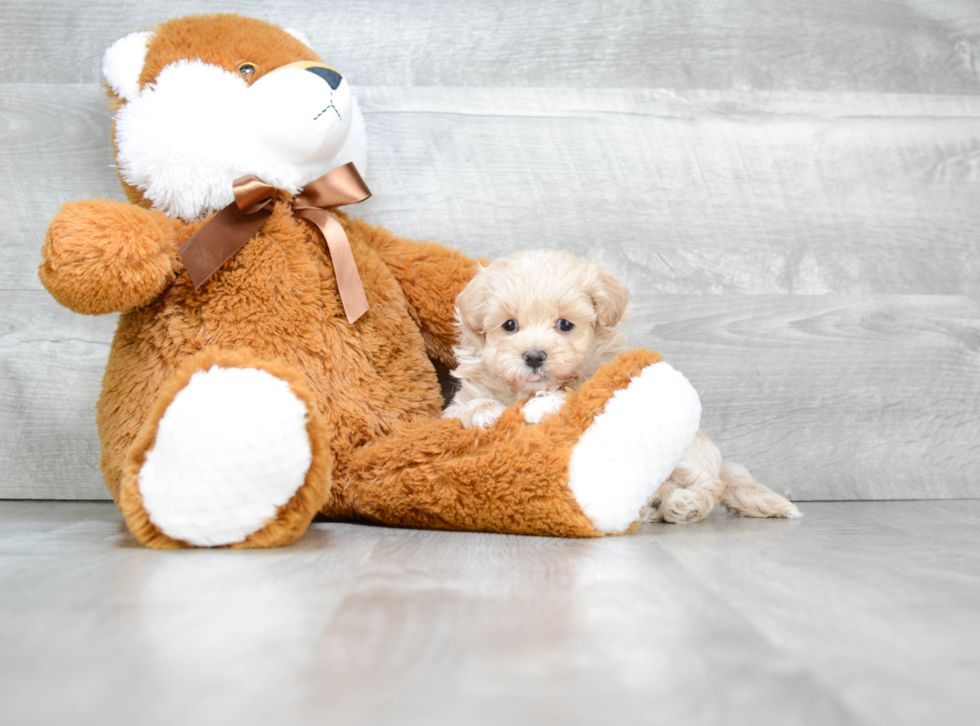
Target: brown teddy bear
x=274, y=358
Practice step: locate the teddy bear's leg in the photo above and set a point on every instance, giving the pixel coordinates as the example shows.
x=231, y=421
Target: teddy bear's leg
x=584, y=471
x=234, y=453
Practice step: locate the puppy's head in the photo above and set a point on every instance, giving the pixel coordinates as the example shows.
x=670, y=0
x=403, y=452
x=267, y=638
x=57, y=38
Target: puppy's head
x=540, y=320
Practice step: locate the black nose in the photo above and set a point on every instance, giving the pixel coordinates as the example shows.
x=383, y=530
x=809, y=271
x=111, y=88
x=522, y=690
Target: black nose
x=535, y=358
x=327, y=74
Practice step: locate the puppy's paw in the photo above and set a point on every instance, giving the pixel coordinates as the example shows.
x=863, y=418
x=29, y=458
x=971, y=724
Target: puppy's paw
x=541, y=405
x=484, y=417
x=653, y=510
x=683, y=506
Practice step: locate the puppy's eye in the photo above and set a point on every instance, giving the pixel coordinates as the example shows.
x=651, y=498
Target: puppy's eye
x=247, y=70
x=565, y=326
x=510, y=326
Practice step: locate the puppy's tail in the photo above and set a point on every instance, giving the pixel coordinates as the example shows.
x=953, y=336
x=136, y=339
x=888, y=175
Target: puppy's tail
x=744, y=495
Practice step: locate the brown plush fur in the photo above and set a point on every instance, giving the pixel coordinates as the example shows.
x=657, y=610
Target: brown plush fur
x=380, y=450
x=515, y=474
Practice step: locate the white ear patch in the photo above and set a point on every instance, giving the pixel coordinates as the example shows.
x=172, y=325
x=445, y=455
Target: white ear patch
x=123, y=63
x=300, y=36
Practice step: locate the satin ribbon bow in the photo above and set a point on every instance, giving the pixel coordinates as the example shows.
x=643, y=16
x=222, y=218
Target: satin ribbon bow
x=228, y=230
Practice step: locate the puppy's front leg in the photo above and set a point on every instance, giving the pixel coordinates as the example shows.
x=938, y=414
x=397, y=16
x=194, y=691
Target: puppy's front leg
x=474, y=411
x=541, y=404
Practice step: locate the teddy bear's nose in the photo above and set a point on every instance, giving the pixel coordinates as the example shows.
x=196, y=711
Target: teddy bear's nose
x=328, y=74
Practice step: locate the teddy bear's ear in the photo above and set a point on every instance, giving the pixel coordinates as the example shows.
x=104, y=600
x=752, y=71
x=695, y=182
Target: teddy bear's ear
x=123, y=63
x=300, y=36
x=610, y=297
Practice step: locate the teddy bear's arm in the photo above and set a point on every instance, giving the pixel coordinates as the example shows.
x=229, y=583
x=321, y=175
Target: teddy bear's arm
x=101, y=256
x=431, y=275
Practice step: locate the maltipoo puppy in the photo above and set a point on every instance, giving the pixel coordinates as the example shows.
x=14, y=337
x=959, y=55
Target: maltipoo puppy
x=537, y=325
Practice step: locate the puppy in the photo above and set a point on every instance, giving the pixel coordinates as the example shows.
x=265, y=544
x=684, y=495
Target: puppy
x=538, y=324
x=533, y=324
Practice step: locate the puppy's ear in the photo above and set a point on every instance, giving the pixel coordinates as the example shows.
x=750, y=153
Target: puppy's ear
x=610, y=297
x=471, y=302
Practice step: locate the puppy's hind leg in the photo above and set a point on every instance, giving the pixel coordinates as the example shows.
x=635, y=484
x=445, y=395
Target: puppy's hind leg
x=697, y=484
x=653, y=511
x=744, y=495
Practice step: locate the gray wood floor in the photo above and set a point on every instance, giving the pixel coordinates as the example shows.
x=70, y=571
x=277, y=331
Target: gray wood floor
x=789, y=189
x=859, y=613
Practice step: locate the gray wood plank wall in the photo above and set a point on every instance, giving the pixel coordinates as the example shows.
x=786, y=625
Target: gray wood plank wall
x=790, y=189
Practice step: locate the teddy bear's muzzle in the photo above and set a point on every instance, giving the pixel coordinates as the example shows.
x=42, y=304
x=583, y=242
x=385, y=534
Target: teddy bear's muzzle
x=330, y=75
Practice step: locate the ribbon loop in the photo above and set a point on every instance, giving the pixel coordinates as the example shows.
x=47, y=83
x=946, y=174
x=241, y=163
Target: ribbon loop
x=252, y=194
x=228, y=230
x=334, y=190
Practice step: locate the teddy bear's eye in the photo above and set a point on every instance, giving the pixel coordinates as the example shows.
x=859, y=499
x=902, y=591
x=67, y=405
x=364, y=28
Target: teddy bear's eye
x=510, y=326
x=565, y=326
x=247, y=70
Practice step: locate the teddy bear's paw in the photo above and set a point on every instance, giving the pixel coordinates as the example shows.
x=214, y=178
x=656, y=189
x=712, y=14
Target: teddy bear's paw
x=682, y=506
x=231, y=448
x=542, y=404
x=101, y=256
x=632, y=446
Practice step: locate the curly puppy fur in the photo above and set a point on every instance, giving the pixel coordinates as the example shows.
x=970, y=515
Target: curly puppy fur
x=538, y=323
x=563, y=313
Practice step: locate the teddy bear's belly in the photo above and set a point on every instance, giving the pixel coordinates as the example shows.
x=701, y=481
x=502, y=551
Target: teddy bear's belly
x=367, y=377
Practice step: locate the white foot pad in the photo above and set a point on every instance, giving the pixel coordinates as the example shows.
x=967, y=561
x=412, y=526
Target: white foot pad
x=633, y=446
x=231, y=449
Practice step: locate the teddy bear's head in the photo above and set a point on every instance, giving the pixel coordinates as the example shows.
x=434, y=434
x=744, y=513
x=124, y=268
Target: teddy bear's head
x=205, y=99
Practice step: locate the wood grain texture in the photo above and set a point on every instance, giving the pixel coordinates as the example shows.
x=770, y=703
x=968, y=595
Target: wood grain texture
x=908, y=46
x=55, y=146
x=705, y=192
x=51, y=364
x=860, y=614
x=822, y=397
x=832, y=397
x=796, y=218
x=702, y=192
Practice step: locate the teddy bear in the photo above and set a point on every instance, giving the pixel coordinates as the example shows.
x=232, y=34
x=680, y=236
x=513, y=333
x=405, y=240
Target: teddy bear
x=275, y=358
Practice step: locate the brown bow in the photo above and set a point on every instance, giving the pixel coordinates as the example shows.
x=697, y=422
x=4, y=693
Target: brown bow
x=228, y=231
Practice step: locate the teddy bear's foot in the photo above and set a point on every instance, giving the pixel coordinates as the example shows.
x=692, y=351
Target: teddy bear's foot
x=229, y=460
x=585, y=470
x=634, y=443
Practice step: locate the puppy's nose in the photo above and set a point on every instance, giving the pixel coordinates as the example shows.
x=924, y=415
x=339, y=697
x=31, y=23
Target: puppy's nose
x=535, y=358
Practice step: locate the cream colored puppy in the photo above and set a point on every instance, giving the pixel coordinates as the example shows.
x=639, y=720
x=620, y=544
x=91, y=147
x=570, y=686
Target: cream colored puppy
x=532, y=324
x=537, y=324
